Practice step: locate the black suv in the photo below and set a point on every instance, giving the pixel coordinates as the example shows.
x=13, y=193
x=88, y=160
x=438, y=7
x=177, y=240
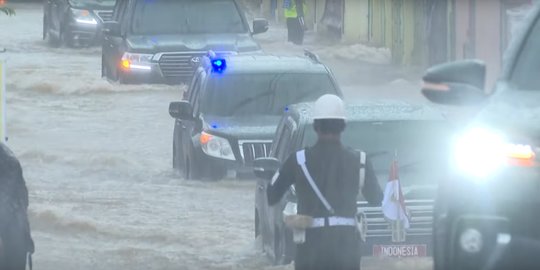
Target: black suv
x=75, y=22
x=487, y=213
x=418, y=134
x=162, y=41
x=233, y=107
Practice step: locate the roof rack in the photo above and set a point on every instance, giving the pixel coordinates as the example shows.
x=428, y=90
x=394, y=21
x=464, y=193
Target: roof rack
x=312, y=56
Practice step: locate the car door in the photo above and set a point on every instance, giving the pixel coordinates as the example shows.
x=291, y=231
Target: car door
x=189, y=128
x=280, y=150
x=55, y=15
x=261, y=200
x=112, y=44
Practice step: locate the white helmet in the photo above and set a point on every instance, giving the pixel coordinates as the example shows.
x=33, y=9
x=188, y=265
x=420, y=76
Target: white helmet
x=329, y=107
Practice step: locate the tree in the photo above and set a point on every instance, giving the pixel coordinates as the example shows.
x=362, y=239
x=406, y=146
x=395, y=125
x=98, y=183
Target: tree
x=7, y=11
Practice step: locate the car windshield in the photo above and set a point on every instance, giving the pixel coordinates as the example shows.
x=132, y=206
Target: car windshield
x=262, y=94
x=526, y=74
x=418, y=147
x=183, y=17
x=92, y=4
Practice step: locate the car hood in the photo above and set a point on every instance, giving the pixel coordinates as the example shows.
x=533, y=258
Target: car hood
x=242, y=128
x=193, y=42
x=516, y=112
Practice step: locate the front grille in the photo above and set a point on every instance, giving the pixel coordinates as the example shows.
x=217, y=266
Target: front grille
x=421, y=213
x=105, y=16
x=178, y=64
x=251, y=150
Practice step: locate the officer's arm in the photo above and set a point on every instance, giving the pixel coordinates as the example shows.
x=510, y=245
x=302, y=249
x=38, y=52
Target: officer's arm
x=300, y=8
x=371, y=189
x=281, y=181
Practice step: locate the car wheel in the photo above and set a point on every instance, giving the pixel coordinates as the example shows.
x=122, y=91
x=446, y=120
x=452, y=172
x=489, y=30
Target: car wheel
x=178, y=161
x=280, y=248
x=51, y=40
x=259, y=237
x=257, y=225
x=174, y=158
x=65, y=39
x=191, y=169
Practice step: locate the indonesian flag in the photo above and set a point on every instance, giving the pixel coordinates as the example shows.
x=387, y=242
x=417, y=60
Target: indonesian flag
x=393, y=204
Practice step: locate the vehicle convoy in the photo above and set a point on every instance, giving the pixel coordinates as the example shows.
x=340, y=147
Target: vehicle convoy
x=75, y=22
x=486, y=215
x=163, y=41
x=233, y=107
x=380, y=129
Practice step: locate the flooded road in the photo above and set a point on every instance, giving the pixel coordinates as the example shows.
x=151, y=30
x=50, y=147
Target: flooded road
x=97, y=161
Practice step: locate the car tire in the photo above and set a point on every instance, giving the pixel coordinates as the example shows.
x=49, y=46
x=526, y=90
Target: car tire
x=192, y=170
x=51, y=40
x=66, y=39
x=178, y=161
x=280, y=248
x=259, y=235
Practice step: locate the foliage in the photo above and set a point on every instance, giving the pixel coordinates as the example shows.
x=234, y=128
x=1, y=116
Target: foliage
x=6, y=10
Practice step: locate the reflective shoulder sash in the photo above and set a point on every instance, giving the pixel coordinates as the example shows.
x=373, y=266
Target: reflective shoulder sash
x=362, y=168
x=301, y=159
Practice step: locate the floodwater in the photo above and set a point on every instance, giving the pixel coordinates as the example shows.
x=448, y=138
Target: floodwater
x=97, y=160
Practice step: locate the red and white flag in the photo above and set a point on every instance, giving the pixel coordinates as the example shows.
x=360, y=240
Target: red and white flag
x=393, y=204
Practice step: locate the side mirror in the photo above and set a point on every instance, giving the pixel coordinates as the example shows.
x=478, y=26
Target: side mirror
x=181, y=110
x=112, y=28
x=456, y=83
x=266, y=168
x=260, y=26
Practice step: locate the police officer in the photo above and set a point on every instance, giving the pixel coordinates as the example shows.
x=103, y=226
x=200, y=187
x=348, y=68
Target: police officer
x=327, y=181
x=294, y=13
x=16, y=244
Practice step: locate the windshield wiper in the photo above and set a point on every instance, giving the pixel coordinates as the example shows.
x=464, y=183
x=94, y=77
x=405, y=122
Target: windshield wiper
x=269, y=91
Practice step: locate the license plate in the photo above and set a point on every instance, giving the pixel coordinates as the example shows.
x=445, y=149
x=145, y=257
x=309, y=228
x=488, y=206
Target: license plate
x=401, y=251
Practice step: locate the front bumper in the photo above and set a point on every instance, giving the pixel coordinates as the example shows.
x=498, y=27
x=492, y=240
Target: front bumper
x=384, y=240
x=151, y=76
x=501, y=212
x=239, y=168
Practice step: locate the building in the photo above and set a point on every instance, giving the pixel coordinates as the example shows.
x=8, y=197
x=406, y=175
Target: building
x=422, y=32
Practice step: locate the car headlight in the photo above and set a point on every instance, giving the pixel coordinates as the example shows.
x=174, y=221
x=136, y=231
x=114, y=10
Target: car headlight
x=83, y=16
x=137, y=61
x=215, y=146
x=482, y=152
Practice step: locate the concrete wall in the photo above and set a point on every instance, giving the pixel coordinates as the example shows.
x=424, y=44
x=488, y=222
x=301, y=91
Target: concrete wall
x=356, y=21
x=488, y=37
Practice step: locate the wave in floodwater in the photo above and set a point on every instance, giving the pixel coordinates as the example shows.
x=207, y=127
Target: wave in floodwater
x=75, y=84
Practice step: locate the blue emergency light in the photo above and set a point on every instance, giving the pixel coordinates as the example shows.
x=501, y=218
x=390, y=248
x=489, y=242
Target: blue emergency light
x=219, y=65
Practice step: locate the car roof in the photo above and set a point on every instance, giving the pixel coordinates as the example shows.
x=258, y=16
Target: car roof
x=381, y=110
x=264, y=63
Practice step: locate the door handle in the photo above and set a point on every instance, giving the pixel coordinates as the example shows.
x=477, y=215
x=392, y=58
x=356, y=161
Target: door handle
x=260, y=187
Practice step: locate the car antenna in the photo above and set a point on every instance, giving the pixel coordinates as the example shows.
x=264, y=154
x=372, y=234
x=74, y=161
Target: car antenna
x=312, y=56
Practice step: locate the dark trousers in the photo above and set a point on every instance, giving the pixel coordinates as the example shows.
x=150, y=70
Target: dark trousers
x=295, y=30
x=330, y=248
x=15, y=243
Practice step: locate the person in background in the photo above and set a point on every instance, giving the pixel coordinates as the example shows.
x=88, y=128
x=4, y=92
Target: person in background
x=294, y=13
x=16, y=245
x=327, y=179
